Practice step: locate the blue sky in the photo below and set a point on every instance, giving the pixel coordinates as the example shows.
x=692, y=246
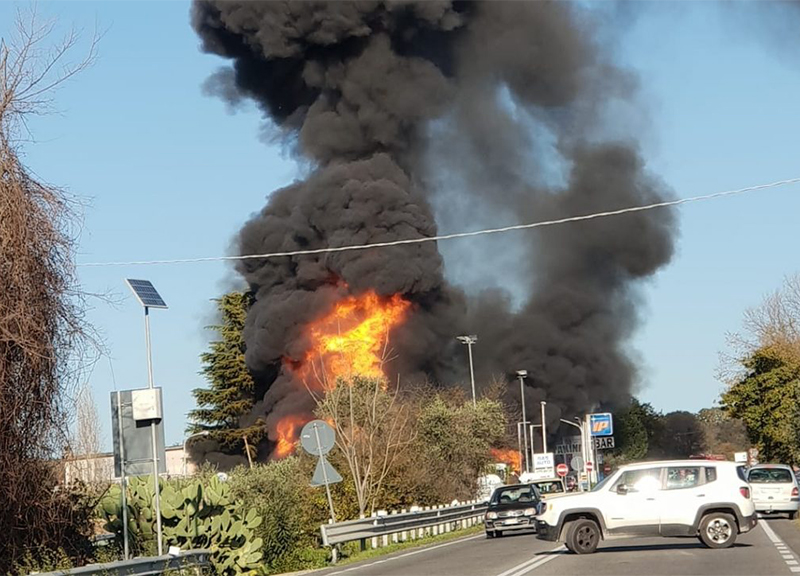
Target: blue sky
x=168, y=172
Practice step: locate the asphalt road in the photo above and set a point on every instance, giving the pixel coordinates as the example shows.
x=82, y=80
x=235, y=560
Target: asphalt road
x=772, y=548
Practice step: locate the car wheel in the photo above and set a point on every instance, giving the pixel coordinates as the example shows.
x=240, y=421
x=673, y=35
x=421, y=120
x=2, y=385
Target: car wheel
x=718, y=530
x=583, y=536
x=792, y=515
x=489, y=534
x=498, y=533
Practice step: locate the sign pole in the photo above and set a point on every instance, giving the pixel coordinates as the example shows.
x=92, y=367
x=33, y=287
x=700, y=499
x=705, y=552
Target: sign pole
x=324, y=474
x=123, y=480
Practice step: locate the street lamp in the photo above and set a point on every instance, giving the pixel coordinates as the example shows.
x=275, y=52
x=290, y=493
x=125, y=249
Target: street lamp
x=522, y=374
x=469, y=341
x=149, y=297
x=544, y=428
x=185, y=442
x=583, y=442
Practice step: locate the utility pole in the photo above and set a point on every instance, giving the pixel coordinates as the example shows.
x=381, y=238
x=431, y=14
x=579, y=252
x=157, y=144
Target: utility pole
x=469, y=341
x=522, y=374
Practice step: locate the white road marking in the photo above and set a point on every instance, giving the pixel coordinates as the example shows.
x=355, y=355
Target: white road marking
x=785, y=551
x=406, y=555
x=534, y=562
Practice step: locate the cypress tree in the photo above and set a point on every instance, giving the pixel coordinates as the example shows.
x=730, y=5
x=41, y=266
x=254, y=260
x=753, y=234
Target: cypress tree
x=231, y=393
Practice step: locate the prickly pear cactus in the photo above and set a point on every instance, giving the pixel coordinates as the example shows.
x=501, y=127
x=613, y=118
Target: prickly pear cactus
x=196, y=515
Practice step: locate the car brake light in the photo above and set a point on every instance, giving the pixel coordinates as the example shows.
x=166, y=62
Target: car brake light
x=794, y=491
x=745, y=492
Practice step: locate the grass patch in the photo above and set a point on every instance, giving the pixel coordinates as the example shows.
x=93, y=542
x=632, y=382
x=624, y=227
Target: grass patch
x=351, y=554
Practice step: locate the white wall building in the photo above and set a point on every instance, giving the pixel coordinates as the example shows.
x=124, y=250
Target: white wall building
x=100, y=467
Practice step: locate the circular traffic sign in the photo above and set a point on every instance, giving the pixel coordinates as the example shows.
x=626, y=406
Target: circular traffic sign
x=577, y=464
x=589, y=466
x=562, y=470
x=317, y=437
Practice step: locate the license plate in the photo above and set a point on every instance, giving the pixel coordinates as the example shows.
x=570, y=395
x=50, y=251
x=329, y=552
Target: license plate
x=511, y=521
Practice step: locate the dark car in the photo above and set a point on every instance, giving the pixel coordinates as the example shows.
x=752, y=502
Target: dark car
x=512, y=508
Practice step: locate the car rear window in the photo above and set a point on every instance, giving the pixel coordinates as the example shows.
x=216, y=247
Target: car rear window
x=550, y=487
x=514, y=494
x=769, y=476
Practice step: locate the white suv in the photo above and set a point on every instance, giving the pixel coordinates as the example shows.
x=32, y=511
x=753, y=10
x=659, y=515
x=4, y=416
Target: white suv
x=703, y=498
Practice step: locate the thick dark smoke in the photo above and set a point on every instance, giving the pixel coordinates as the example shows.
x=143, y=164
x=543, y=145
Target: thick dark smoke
x=461, y=114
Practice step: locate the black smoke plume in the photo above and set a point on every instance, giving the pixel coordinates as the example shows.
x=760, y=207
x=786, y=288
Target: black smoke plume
x=429, y=115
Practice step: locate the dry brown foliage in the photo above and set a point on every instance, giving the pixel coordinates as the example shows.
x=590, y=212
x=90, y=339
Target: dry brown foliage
x=42, y=329
x=774, y=324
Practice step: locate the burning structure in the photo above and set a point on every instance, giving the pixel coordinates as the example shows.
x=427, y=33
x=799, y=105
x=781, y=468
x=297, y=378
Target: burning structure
x=421, y=116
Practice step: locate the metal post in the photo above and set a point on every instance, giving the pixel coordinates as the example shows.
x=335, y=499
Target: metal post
x=524, y=419
x=544, y=428
x=156, y=484
x=324, y=474
x=123, y=480
x=471, y=371
x=587, y=429
x=519, y=443
x=583, y=443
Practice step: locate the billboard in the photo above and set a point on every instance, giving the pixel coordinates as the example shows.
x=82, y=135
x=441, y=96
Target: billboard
x=601, y=424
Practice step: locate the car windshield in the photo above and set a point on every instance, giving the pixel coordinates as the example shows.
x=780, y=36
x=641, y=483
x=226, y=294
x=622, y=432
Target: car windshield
x=550, y=487
x=769, y=476
x=514, y=495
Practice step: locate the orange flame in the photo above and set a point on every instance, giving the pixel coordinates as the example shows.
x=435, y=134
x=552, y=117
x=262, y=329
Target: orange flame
x=287, y=434
x=510, y=457
x=353, y=338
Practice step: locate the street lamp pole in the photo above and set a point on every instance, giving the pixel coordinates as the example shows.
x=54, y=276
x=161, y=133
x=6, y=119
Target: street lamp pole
x=469, y=341
x=186, y=442
x=544, y=428
x=583, y=442
x=522, y=374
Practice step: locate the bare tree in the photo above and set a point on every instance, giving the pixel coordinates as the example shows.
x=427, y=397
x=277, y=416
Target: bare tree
x=43, y=334
x=85, y=459
x=774, y=324
x=373, y=427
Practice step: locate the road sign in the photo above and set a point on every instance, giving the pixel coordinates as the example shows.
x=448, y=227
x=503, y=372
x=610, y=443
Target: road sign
x=604, y=442
x=544, y=464
x=323, y=472
x=308, y=437
x=589, y=466
x=577, y=464
x=601, y=424
x=562, y=470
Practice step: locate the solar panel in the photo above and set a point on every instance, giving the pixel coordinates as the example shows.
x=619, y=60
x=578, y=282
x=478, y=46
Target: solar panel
x=146, y=294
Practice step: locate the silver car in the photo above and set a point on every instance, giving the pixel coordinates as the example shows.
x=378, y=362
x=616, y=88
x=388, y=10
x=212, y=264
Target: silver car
x=775, y=489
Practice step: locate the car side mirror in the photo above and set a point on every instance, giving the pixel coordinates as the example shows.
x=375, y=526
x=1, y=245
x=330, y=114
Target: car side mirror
x=622, y=489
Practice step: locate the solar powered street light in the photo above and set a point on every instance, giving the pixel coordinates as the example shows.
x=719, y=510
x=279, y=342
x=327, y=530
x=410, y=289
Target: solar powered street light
x=149, y=297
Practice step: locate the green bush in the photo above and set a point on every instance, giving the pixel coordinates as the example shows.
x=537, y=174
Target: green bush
x=280, y=493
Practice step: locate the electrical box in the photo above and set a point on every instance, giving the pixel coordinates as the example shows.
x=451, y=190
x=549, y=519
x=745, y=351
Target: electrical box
x=146, y=404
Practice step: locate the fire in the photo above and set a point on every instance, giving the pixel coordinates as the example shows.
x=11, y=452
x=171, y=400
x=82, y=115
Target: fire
x=288, y=430
x=353, y=338
x=510, y=457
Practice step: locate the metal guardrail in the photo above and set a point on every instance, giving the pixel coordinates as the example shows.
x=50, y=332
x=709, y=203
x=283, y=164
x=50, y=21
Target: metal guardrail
x=395, y=523
x=188, y=562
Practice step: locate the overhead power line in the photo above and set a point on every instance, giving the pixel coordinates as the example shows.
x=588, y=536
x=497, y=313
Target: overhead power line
x=541, y=224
